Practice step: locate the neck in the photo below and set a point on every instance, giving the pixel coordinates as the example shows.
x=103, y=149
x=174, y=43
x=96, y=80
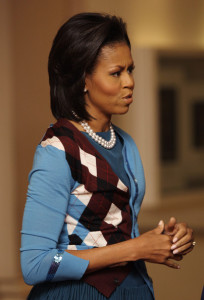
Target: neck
x=99, y=125
x=95, y=125
x=101, y=122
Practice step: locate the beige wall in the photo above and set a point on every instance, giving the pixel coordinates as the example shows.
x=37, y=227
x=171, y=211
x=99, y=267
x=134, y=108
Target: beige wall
x=8, y=219
x=33, y=25
x=27, y=29
x=158, y=23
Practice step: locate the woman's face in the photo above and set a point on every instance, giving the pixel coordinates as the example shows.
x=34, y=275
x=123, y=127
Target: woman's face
x=110, y=85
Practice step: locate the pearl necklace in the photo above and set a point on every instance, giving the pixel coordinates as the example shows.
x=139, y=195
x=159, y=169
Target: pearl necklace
x=106, y=144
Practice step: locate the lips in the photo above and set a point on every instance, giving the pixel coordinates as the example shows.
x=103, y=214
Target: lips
x=128, y=96
x=128, y=99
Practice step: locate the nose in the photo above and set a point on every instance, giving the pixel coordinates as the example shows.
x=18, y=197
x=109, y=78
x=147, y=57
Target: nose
x=128, y=81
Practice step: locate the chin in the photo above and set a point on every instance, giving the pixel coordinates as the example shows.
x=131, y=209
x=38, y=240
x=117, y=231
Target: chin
x=122, y=111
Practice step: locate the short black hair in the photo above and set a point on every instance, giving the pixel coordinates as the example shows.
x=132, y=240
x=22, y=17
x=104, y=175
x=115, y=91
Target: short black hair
x=74, y=54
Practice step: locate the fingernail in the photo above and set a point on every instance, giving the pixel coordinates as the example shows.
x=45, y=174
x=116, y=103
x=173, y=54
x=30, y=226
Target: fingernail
x=175, y=251
x=175, y=240
x=160, y=223
x=173, y=247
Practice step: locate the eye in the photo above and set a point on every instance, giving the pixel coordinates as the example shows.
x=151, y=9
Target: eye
x=116, y=74
x=130, y=69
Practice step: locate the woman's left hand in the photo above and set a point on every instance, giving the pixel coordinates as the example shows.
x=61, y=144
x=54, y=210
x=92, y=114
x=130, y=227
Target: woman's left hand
x=182, y=237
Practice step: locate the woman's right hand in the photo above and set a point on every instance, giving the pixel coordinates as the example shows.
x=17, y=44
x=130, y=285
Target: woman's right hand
x=155, y=247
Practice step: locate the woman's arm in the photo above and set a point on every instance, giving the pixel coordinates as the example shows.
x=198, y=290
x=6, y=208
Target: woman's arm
x=151, y=246
x=44, y=214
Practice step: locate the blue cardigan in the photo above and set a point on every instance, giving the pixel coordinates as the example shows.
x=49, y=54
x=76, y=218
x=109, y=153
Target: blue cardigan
x=44, y=231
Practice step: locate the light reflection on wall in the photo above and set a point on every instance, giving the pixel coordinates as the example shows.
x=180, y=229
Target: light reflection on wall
x=181, y=126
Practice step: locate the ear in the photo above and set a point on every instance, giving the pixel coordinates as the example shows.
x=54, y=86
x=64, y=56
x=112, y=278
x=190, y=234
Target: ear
x=88, y=82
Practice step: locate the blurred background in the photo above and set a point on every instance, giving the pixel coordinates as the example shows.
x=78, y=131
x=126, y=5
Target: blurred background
x=166, y=120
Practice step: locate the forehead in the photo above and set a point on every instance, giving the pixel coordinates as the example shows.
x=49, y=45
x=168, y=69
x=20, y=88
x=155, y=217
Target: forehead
x=116, y=54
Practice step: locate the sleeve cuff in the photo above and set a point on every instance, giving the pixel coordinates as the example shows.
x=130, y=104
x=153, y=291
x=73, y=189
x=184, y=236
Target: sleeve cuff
x=66, y=266
x=54, y=265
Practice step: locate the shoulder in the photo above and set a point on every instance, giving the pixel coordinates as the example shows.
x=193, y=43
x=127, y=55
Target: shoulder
x=50, y=147
x=50, y=150
x=50, y=160
x=54, y=142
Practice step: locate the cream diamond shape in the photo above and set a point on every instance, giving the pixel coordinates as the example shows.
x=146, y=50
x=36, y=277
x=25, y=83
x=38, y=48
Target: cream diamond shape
x=71, y=224
x=95, y=239
x=54, y=141
x=82, y=194
x=89, y=161
x=114, y=216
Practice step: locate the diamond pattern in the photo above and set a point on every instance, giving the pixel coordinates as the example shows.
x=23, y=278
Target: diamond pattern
x=95, y=239
x=114, y=216
x=89, y=161
x=82, y=194
x=54, y=141
x=71, y=224
x=122, y=186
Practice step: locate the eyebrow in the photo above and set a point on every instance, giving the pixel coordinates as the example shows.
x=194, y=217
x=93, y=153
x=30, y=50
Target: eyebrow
x=123, y=67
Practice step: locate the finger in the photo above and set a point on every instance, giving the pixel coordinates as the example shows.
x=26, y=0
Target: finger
x=182, y=230
x=160, y=227
x=183, y=248
x=187, y=238
x=172, y=264
x=187, y=251
x=170, y=227
x=178, y=257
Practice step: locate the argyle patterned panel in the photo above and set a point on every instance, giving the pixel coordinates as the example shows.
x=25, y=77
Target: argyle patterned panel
x=98, y=211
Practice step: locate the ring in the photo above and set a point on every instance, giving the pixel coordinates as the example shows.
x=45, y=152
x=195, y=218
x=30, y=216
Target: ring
x=193, y=243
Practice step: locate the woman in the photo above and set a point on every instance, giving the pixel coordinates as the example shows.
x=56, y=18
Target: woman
x=80, y=237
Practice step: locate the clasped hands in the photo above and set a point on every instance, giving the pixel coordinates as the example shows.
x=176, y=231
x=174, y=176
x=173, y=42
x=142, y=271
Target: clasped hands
x=165, y=244
x=182, y=236
x=181, y=240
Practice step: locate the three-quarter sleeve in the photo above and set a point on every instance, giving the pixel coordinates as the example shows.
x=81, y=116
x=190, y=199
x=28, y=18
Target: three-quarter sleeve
x=48, y=195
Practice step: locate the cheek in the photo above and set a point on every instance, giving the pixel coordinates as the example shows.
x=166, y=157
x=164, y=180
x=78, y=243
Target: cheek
x=108, y=88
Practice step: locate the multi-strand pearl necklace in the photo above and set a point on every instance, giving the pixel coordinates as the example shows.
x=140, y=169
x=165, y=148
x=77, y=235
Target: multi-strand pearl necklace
x=106, y=144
